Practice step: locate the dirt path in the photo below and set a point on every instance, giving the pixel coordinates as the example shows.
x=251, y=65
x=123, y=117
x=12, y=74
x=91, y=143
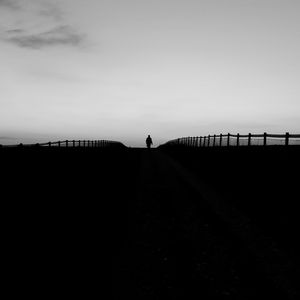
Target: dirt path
x=177, y=248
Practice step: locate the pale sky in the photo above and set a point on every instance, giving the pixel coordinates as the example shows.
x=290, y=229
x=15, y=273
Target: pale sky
x=123, y=69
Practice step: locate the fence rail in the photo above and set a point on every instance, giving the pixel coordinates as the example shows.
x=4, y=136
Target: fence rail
x=227, y=140
x=71, y=143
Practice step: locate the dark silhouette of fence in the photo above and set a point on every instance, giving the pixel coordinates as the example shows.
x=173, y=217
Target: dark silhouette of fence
x=72, y=144
x=227, y=140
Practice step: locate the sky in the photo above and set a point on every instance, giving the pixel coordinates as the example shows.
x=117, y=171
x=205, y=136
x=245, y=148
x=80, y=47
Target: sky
x=123, y=69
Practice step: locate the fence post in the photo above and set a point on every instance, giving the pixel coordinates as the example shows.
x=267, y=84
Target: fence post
x=49, y=144
x=214, y=142
x=88, y=143
x=73, y=143
x=200, y=143
x=204, y=141
x=208, y=140
x=287, y=136
x=67, y=143
x=59, y=144
x=265, y=139
x=228, y=140
x=79, y=143
x=249, y=139
x=221, y=137
x=237, y=139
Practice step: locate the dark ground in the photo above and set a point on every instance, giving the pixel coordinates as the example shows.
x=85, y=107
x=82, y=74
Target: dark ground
x=143, y=224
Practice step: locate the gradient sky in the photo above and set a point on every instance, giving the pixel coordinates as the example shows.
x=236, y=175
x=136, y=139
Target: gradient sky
x=122, y=69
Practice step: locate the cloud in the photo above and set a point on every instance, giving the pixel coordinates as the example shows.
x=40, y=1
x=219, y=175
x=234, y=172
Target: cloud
x=51, y=10
x=37, y=25
x=60, y=35
x=9, y=4
x=7, y=138
x=15, y=31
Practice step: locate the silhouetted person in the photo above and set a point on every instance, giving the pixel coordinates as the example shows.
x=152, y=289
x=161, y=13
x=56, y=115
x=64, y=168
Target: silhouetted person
x=149, y=142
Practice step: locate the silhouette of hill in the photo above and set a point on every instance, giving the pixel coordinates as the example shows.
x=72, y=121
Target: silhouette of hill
x=175, y=223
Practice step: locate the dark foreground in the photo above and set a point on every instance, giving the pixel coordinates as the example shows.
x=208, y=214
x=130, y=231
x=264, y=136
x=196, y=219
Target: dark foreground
x=160, y=224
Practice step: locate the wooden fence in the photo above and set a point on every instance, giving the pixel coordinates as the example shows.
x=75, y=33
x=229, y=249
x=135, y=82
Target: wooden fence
x=72, y=143
x=223, y=140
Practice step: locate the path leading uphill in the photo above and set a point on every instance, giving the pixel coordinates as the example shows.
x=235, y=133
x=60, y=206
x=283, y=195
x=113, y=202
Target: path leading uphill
x=179, y=246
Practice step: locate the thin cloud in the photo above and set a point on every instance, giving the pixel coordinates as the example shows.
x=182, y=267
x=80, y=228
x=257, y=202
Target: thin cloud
x=15, y=31
x=51, y=10
x=7, y=138
x=9, y=4
x=61, y=35
x=38, y=25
